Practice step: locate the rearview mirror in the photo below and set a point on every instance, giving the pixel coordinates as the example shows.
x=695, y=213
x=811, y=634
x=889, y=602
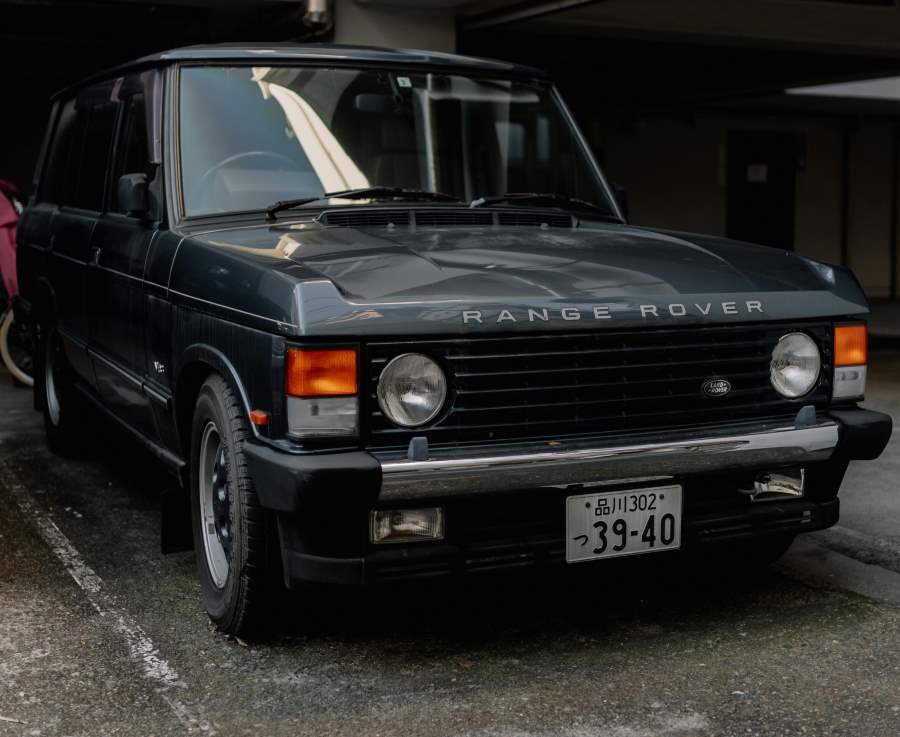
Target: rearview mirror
x=367, y=102
x=131, y=195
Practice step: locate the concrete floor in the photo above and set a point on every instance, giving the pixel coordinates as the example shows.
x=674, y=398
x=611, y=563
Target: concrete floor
x=100, y=634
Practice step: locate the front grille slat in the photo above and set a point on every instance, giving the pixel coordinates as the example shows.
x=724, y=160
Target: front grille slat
x=630, y=366
x=554, y=385
x=601, y=351
x=573, y=387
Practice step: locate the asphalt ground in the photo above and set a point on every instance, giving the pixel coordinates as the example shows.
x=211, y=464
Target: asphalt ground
x=101, y=634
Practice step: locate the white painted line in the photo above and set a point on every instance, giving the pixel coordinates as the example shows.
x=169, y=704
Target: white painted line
x=142, y=649
x=813, y=564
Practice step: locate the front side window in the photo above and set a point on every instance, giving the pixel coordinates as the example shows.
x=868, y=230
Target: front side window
x=250, y=136
x=133, y=150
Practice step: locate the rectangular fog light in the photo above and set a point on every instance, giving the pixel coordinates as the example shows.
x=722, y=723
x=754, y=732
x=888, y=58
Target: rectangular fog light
x=322, y=417
x=849, y=382
x=406, y=525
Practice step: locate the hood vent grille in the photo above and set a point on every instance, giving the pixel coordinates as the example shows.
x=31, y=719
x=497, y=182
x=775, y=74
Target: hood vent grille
x=439, y=218
x=444, y=218
x=366, y=218
x=535, y=220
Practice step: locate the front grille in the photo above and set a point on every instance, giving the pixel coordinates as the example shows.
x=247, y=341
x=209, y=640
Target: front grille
x=544, y=386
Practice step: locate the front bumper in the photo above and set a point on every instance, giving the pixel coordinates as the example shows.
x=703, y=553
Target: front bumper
x=504, y=505
x=552, y=464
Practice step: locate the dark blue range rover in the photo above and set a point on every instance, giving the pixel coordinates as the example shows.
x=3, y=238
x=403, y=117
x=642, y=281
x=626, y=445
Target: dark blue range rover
x=382, y=316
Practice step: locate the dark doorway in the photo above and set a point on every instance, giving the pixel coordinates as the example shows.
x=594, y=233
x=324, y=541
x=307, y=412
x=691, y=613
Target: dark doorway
x=762, y=169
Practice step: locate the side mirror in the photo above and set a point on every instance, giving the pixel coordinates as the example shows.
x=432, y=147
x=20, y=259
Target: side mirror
x=132, y=197
x=621, y=195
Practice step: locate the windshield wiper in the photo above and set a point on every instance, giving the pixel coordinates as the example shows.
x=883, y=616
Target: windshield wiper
x=547, y=197
x=376, y=192
x=396, y=193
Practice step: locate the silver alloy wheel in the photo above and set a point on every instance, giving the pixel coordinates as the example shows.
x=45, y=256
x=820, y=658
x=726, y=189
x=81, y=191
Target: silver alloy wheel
x=215, y=507
x=50, y=361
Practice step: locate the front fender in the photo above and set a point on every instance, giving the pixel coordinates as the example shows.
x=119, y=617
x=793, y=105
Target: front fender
x=201, y=354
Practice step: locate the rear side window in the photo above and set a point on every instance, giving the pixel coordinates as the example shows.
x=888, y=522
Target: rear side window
x=79, y=156
x=66, y=140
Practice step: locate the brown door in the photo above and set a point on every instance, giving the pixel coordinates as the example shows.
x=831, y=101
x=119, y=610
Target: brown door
x=762, y=170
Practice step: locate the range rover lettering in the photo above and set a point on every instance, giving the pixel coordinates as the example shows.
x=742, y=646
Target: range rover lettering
x=382, y=316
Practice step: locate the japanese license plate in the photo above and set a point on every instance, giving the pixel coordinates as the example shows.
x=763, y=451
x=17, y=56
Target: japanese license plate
x=623, y=523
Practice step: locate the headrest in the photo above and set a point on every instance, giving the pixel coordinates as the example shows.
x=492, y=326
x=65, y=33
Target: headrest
x=397, y=135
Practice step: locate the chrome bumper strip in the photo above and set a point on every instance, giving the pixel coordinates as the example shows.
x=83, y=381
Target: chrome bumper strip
x=451, y=473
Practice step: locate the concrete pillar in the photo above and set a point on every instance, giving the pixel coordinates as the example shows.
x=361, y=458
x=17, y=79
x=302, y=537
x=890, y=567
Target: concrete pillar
x=394, y=26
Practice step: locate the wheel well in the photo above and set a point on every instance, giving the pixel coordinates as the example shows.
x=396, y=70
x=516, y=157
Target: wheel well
x=187, y=388
x=44, y=303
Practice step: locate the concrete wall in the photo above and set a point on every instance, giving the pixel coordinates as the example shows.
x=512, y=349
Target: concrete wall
x=870, y=184
x=397, y=26
x=819, y=24
x=674, y=171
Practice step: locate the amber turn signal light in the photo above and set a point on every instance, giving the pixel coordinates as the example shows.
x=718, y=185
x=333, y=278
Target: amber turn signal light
x=259, y=418
x=321, y=373
x=851, y=345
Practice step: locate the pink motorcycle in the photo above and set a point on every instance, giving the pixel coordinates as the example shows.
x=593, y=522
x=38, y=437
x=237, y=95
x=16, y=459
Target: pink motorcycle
x=15, y=338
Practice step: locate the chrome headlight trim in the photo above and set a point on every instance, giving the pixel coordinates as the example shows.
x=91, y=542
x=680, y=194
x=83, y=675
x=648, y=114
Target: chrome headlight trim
x=795, y=354
x=416, y=366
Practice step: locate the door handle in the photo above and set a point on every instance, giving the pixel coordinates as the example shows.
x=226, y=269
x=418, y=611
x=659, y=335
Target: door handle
x=95, y=256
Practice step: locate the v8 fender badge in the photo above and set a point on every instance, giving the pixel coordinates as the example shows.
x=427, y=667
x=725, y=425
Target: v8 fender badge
x=716, y=387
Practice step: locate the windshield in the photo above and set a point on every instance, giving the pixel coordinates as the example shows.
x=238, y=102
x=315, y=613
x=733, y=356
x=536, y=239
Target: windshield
x=251, y=136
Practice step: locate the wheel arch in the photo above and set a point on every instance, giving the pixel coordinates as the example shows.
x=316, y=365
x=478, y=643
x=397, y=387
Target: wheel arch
x=198, y=362
x=44, y=306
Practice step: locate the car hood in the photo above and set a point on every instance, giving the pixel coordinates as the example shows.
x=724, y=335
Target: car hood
x=439, y=279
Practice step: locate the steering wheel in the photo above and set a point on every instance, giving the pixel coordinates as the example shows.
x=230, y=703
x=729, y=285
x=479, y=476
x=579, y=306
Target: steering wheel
x=202, y=183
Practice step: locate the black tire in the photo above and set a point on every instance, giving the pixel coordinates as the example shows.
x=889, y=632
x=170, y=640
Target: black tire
x=240, y=599
x=746, y=556
x=55, y=393
x=765, y=551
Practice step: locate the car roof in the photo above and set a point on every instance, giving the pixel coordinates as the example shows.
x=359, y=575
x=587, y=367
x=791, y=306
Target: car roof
x=336, y=54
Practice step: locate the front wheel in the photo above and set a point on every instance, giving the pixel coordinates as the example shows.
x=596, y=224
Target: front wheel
x=745, y=556
x=233, y=535
x=767, y=550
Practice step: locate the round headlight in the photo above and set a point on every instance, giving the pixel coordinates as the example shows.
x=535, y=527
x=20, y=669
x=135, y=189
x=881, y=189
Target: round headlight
x=411, y=390
x=795, y=365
